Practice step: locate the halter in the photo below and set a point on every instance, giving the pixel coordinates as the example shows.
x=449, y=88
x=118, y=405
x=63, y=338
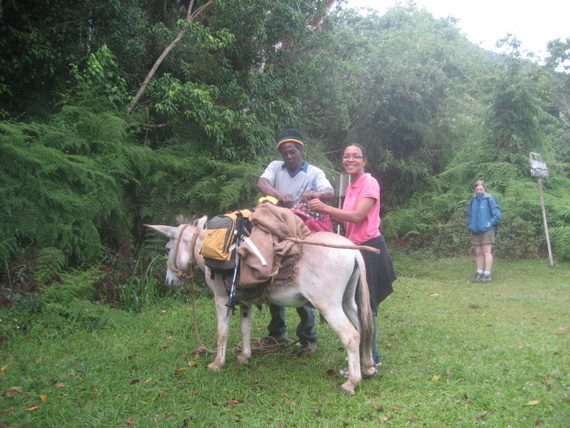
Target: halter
x=181, y=273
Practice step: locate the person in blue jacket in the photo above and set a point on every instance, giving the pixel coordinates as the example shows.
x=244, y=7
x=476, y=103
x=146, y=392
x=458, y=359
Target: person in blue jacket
x=483, y=217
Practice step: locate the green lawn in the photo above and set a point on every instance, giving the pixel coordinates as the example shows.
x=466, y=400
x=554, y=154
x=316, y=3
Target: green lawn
x=455, y=353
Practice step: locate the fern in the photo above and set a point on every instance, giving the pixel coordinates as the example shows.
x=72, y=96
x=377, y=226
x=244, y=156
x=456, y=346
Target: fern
x=50, y=264
x=561, y=241
x=72, y=286
x=63, y=186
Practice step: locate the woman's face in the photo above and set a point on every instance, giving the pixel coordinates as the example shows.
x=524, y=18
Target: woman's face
x=479, y=189
x=353, y=161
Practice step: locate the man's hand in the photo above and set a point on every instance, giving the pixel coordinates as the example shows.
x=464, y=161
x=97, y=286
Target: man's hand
x=308, y=195
x=286, y=200
x=325, y=195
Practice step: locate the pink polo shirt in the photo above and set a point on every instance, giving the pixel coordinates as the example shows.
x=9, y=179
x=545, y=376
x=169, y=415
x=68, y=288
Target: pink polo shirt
x=365, y=187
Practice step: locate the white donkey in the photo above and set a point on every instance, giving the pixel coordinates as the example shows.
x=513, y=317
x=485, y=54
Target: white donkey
x=328, y=279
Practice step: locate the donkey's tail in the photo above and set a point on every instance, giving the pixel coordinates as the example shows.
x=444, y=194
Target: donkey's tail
x=365, y=315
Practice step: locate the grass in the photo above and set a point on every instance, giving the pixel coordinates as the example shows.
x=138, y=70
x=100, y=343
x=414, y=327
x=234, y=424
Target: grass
x=455, y=353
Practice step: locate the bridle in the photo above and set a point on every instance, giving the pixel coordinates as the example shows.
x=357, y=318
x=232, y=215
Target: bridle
x=190, y=273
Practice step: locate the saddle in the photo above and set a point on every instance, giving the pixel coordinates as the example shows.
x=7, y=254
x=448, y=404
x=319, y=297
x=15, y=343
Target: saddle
x=267, y=255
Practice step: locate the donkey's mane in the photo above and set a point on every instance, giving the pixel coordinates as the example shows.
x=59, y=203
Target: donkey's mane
x=186, y=219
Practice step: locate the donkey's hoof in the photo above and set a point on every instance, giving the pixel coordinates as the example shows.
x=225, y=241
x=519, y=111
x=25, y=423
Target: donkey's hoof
x=242, y=360
x=214, y=367
x=347, y=389
x=369, y=373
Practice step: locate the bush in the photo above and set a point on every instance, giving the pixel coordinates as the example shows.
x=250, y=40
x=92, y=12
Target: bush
x=453, y=239
x=517, y=239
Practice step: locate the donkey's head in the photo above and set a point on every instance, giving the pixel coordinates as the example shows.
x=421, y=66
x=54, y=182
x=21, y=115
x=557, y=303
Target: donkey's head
x=181, y=249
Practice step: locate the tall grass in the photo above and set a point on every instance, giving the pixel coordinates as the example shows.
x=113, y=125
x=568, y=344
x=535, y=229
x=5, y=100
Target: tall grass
x=142, y=288
x=455, y=353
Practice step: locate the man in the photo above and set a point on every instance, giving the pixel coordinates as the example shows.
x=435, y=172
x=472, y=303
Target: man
x=292, y=181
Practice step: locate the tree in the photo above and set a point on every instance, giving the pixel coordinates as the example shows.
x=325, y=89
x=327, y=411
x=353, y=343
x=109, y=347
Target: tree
x=190, y=17
x=39, y=41
x=405, y=85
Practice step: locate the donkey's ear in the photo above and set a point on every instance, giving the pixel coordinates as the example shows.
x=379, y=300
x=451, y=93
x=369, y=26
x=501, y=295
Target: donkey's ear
x=169, y=231
x=201, y=222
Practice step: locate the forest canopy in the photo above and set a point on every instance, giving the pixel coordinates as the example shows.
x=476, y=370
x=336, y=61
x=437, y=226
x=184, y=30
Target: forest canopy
x=118, y=113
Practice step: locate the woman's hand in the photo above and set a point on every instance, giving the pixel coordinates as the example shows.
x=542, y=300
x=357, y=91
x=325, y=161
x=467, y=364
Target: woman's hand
x=317, y=205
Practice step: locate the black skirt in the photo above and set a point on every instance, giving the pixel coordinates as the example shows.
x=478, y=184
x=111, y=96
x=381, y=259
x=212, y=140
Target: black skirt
x=379, y=271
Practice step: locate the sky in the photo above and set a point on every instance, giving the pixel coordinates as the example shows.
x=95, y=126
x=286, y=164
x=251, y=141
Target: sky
x=533, y=22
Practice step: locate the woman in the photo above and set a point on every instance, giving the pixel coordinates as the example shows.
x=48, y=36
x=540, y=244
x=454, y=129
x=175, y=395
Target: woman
x=483, y=217
x=360, y=215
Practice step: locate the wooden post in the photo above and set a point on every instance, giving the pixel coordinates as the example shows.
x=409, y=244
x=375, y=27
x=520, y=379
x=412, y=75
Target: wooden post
x=539, y=169
x=341, y=181
x=545, y=222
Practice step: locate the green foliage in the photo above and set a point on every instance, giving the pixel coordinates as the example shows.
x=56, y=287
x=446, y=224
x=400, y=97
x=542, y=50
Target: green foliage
x=518, y=238
x=141, y=290
x=413, y=103
x=232, y=135
x=60, y=309
x=100, y=80
x=59, y=184
x=516, y=112
x=79, y=176
x=72, y=286
x=559, y=54
x=50, y=264
x=452, y=239
x=195, y=185
x=39, y=41
x=561, y=241
x=58, y=320
x=46, y=322
x=558, y=208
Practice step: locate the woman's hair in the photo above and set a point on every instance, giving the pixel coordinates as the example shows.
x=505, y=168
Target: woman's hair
x=480, y=183
x=362, y=149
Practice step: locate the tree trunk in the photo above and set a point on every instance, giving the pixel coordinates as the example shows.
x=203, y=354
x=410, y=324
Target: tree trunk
x=189, y=17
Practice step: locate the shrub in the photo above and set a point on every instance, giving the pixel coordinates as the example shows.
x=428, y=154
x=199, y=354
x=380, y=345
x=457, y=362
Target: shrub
x=517, y=238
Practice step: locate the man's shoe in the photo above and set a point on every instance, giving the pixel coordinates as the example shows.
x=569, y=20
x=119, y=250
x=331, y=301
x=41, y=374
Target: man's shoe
x=308, y=347
x=274, y=340
x=478, y=277
x=485, y=278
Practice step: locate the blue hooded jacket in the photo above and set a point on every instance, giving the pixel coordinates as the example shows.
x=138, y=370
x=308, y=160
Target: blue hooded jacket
x=484, y=213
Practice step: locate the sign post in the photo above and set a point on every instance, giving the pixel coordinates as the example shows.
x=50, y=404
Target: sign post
x=341, y=182
x=540, y=170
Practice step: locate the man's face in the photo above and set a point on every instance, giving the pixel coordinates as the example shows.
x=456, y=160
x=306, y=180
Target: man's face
x=292, y=155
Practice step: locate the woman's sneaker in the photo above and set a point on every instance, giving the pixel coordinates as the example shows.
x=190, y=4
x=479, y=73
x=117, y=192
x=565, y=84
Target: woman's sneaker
x=485, y=278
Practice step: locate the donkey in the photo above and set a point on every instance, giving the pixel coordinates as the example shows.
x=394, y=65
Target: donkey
x=330, y=279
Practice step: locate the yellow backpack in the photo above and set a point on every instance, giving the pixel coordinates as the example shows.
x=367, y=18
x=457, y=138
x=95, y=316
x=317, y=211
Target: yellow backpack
x=218, y=248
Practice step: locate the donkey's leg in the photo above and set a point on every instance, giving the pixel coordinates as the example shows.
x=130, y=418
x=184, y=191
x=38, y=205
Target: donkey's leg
x=245, y=326
x=350, y=338
x=223, y=330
